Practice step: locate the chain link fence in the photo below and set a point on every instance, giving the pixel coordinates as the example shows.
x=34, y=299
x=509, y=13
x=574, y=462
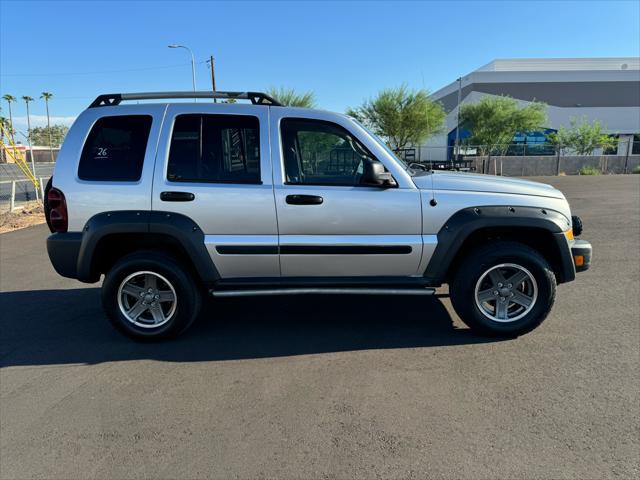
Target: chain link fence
x=525, y=160
x=14, y=194
x=16, y=190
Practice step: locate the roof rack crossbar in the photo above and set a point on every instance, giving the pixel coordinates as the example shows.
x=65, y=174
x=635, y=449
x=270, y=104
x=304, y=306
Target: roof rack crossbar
x=111, y=99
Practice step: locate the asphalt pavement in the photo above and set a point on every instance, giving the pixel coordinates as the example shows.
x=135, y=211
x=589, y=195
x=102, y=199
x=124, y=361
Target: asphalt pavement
x=328, y=387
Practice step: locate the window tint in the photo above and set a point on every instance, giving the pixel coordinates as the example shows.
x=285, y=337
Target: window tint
x=115, y=148
x=321, y=153
x=215, y=148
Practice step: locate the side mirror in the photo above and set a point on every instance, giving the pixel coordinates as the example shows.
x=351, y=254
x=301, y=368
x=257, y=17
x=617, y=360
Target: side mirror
x=374, y=174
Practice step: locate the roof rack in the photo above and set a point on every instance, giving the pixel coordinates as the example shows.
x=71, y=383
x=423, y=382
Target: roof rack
x=111, y=99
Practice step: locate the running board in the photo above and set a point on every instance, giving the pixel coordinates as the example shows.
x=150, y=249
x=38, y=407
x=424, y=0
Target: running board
x=322, y=291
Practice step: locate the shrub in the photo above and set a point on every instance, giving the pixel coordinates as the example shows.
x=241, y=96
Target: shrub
x=636, y=169
x=587, y=170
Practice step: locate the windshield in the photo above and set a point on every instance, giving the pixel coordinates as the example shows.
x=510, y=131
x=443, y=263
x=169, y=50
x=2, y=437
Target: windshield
x=382, y=143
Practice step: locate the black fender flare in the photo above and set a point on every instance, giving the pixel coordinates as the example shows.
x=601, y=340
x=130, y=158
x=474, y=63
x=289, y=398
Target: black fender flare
x=465, y=222
x=180, y=227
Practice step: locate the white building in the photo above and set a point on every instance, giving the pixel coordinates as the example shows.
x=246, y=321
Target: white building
x=604, y=89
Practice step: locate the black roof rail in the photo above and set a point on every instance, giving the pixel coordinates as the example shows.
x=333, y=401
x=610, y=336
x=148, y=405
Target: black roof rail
x=256, y=98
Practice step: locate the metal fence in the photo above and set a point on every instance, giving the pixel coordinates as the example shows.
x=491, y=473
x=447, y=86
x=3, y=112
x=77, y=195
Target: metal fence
x=430, y=153
x=14, y=194
x=16, y=190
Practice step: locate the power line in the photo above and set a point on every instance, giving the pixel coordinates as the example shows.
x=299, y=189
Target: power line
x=97, y=72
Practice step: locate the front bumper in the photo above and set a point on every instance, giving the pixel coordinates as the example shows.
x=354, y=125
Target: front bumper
x=581, y=253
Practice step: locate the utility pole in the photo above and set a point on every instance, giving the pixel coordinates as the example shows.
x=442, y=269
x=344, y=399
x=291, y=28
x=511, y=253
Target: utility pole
x=457, y=149
x=213, y=75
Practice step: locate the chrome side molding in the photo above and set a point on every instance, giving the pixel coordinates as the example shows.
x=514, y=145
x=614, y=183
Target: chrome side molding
x=321, y=291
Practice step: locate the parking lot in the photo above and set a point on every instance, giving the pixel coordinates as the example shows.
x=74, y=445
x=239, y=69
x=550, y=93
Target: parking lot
x=328, y=387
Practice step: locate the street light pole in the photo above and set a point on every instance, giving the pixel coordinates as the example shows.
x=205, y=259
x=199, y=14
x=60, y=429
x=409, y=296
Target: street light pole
x=193, y=65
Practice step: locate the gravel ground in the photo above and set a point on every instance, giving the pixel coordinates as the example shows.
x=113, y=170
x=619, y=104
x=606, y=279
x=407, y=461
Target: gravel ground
x=328, y=387
x=30, y=214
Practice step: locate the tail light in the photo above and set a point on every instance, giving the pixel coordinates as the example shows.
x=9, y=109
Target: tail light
x=58, y=218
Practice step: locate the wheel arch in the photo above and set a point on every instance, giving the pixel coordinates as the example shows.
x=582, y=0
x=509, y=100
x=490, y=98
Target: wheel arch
x=540, y=229
x=109, y=236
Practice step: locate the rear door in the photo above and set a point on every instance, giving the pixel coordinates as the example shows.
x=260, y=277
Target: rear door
x=214, y=167
x=330, y=223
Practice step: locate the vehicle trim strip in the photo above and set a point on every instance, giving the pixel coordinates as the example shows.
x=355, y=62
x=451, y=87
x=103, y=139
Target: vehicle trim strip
x=345, y=249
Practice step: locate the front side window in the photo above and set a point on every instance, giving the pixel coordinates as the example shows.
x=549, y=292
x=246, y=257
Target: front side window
x=214, y=149
x=115, y=149
x=322, y=153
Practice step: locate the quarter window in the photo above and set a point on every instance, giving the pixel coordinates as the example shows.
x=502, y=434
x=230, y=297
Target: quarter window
x=321, y=153
x=215, y=149
x=115, y=149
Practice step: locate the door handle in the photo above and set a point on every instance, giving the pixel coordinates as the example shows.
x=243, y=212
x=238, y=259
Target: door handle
x=304, y=200
x=177, y=196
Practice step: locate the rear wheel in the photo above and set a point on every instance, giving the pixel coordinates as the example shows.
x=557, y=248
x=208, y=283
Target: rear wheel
x=503, y=288
x=149, y=295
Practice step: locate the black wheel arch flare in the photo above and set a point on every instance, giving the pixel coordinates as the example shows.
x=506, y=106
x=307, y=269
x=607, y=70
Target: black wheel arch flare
x=73, y=254
x=462, y=224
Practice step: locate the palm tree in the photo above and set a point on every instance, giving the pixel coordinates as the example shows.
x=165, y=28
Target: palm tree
x=9, y=99
x=47, y=96
x=290, y=98
x=28, y=99
x=4, y=124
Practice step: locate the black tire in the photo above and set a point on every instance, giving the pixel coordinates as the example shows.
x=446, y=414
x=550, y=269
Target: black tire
x=187, y=293
x=474, y=265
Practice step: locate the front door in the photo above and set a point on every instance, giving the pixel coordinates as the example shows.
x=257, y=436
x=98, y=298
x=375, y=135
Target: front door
x=330, y=223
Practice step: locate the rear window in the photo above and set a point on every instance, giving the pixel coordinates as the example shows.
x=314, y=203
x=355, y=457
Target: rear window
x=215, y=149
x=115, y=148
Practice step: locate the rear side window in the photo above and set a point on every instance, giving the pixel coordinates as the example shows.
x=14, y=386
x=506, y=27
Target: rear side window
x=215, y=149
x=115, y=148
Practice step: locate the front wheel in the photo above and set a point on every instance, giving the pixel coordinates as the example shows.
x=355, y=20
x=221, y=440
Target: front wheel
x=149, y=296
x=503, y=288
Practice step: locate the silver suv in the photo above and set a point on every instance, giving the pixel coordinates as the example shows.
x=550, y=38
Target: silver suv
x=175, y=201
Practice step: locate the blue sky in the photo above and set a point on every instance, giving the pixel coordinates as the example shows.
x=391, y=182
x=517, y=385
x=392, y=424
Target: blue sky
x=344, y=51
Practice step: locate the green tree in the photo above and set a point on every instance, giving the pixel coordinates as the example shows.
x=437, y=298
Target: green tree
x=494, y=120
x=47, y=96
x=290, y=98
x=41, y=135
x=582, y=137
x=10, y=99
x=401, y=116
